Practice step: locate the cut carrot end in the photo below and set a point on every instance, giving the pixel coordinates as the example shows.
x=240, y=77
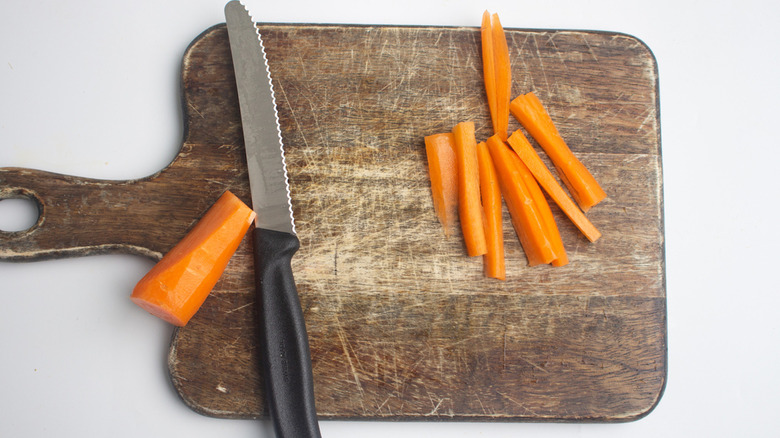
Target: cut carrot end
x=443, y=171
x=469, y=203
x=176, y=287
x=584, y=188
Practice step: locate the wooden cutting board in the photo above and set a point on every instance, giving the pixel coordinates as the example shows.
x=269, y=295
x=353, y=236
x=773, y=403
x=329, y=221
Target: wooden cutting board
x=402, y=323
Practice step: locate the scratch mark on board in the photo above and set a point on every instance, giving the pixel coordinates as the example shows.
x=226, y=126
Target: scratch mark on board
x=590, y=49
x=649, y=119
x=292, y=112
x=195, y=110
x=239, y=308
x=437, y=403
x=541, y=63
x=348, y=356
x=558, y=53
x=516, y=402
x=534, y=365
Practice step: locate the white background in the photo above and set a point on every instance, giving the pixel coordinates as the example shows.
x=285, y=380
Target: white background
x=90, y=88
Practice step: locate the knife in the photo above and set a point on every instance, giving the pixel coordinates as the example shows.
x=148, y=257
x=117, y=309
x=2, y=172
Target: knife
x=284, y=344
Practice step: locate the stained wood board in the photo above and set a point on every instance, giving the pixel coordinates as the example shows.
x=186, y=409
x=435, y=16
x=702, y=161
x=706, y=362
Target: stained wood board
x=402, y=324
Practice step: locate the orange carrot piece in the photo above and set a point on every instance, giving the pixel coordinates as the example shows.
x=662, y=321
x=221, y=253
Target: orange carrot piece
x=469, y=204
x=443, y=171
x=528, y=109
x=489, y=67
x=528, y=155
x=503, y=74
x=496, y=72
x=176, y=287
x=525, y=215
x=495, y=266
x=548, y=221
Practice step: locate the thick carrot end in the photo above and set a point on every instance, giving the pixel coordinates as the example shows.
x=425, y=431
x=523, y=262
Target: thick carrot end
x=163, y=312
x=536, y=259
x=596, y=195
x=562, y=260
x=176, y=287
x=596, y=235
x=497, y=275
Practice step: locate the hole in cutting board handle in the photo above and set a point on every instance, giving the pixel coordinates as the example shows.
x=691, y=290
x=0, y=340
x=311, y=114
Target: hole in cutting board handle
x=18, y=214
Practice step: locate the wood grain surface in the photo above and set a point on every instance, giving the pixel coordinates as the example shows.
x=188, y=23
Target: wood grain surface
x=402, y=323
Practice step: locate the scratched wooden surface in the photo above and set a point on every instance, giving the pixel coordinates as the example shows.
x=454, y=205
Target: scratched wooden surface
x=402, y=324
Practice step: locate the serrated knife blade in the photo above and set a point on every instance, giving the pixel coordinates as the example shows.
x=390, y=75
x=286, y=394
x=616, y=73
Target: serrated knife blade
x=262, y=135
x=284, y=346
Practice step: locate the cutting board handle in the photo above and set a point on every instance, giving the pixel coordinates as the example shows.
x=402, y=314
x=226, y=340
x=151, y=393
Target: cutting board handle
x=82, y=216
x=76, y=216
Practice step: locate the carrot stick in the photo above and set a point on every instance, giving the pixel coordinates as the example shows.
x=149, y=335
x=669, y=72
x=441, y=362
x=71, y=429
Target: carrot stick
x=503, y=74
x=525, y=215
x=443, y=170
x=526, y=152
x=489, y=67
x=496, y=72
x=583, y=187
x=176, y=287
x=469, y=204
x=494, y=263
x=548, y=221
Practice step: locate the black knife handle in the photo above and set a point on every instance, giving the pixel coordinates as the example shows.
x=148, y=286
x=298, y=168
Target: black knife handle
x=284, y=344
